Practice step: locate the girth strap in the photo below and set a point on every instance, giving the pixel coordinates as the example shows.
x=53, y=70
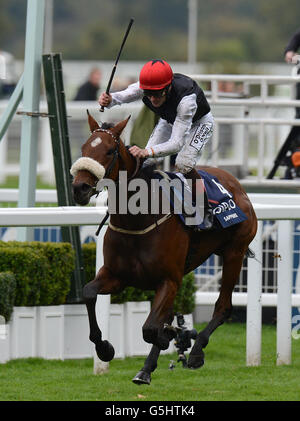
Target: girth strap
x=141, y=232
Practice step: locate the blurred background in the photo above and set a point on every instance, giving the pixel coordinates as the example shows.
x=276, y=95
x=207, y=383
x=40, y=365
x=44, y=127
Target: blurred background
x=236, y=36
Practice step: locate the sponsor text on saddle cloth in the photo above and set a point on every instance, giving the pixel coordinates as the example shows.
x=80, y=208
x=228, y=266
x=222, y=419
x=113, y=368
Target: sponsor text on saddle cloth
x=226, y=212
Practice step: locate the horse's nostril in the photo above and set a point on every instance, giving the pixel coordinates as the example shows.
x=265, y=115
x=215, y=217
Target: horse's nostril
x=80, y=189
x=82, y=193
x=85, y=187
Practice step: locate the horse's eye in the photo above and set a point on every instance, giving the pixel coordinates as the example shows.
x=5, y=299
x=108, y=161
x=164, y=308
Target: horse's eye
x=110, y=151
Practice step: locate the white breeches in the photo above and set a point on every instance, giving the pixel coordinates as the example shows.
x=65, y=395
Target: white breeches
x=200, y=133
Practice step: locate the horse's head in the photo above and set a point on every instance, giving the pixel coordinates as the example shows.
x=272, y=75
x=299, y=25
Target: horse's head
x=99, y=159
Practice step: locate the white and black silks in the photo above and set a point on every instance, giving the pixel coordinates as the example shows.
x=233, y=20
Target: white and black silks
x=185, y=124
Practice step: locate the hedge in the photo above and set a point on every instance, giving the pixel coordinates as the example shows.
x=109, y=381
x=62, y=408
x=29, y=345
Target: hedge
x=30, y=270
x=42, y=271
x=89, y=260
x=185, y=299
x=7, y=294
x=61, y=258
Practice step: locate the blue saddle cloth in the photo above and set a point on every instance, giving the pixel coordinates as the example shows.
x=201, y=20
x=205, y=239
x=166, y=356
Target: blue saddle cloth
x=225, y=210
x=224, y=207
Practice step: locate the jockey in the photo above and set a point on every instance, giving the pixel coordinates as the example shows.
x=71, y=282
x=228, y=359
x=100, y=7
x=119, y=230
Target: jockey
x=185, y=124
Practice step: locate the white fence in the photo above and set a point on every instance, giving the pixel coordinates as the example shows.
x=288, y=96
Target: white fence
x=264, y=119
x=254, y=298
x=252, y=122
x=62, y=332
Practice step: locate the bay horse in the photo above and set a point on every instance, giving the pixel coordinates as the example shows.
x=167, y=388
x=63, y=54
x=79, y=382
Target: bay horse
x=140, y=251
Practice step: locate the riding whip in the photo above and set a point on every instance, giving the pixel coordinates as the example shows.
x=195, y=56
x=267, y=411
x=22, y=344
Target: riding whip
x=116, y=62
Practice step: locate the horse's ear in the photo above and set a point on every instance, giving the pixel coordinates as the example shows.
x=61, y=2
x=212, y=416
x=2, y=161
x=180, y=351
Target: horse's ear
x=92, y=122
x=117, y=130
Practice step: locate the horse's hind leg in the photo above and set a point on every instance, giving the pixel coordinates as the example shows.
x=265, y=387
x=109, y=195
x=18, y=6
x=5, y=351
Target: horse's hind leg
x=104, y=283
x=231, y=269
x=161, y=313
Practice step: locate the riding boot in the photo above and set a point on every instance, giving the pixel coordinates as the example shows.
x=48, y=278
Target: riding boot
x=208, y=213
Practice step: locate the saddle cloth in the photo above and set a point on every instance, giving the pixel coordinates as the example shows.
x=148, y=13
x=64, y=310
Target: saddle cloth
x=225, y=210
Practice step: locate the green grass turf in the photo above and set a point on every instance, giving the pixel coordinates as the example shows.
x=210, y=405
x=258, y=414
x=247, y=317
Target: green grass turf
x=12, y=182
x=224, y=377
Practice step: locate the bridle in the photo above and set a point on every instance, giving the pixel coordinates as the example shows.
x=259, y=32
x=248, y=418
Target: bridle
x=116, y=155
x=116, y=152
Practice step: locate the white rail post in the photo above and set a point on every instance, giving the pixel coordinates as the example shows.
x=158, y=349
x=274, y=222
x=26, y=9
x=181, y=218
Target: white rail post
x=284, y=290
x=46, y=162
x=102, y=307
x=261, y=150
x=254, y=290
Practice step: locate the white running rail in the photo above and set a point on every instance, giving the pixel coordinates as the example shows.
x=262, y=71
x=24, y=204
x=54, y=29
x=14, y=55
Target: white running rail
x=254, y=297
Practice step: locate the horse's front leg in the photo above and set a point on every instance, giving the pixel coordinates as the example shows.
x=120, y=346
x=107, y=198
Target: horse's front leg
x=104, y=283
x=144, y=375
x=161, y=313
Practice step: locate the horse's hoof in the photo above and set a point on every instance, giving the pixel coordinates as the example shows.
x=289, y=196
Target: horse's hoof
x=105, y=351
x=196, y=361
x=142, y=378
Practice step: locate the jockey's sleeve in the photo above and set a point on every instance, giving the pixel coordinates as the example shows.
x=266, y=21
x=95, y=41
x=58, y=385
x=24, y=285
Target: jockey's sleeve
x=130, y=94
x=181, y=127
x=294, y=43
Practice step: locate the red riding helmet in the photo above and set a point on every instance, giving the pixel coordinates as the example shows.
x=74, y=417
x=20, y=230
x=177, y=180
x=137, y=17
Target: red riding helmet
x=155, y=75
x=296, y=158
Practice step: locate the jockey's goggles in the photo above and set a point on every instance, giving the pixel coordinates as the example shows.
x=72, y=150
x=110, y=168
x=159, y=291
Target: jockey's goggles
x=155, y=93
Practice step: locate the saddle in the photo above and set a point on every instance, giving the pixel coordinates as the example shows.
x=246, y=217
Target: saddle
x=225, y=212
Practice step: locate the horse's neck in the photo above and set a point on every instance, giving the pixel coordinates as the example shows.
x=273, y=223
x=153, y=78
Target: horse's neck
x=126, y=200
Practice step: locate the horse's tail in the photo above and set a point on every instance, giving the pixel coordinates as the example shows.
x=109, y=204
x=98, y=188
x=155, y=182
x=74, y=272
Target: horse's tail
x=250, y=254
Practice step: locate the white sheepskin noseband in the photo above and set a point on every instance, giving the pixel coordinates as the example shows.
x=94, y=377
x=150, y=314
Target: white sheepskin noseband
x=90, y=165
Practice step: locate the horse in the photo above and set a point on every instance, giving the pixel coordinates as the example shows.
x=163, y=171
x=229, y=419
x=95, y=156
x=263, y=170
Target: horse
x=154, y=252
